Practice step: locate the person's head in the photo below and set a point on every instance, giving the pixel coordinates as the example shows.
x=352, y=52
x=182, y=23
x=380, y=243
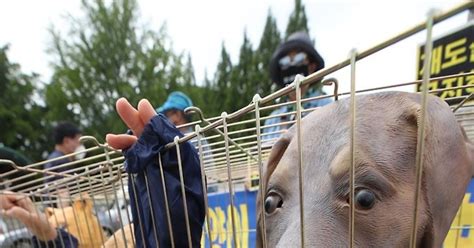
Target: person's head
x=296, y=55
x=66, y=135
x=174, y=108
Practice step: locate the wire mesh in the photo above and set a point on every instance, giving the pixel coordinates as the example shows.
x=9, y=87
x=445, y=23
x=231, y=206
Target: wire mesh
x=232, y=149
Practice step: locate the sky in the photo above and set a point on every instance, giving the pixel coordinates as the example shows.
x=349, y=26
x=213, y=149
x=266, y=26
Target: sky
x=200, y=27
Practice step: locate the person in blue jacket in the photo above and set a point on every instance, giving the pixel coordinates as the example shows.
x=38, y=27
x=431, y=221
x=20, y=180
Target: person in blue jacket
x=174, y=107
x=150, y=132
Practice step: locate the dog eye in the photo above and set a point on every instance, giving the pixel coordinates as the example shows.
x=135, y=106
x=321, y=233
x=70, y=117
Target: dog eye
x=272, y=202
x=365, y=199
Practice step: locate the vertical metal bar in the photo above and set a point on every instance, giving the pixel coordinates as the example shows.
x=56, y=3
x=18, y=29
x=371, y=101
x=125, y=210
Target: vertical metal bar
x=56, y=219
x=256, y=101
x=12, y=224
x=11, y=227
x=353, y=59
x=183, y=190
x=126, y=211
x=29, y=213
x=140, y=223
x=116, y=200
x=38, y=214
x=84, y=213
x=95, y=206
x=298, y=80
x=155, y=233
x=229, y=176
x=74, y=214
x=107, y=203
x=168, y=216
x=37, y=241
x=203, y=181
x=421, y=123
x=111, y=166
x=64, y=216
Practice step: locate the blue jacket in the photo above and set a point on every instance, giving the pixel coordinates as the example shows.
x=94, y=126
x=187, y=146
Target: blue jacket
x=142, y=160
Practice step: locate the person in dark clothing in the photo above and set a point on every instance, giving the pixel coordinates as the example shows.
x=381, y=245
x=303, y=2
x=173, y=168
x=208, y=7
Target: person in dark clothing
x=66, y=141
x=296, y=55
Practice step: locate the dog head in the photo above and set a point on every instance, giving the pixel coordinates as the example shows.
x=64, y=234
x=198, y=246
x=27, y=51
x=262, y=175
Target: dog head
x=385, y=151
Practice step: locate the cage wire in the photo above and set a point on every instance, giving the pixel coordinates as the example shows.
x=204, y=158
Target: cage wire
x=232, y=150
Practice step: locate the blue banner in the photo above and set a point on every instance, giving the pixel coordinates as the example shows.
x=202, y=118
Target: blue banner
x=220, y=220
x=461, y=235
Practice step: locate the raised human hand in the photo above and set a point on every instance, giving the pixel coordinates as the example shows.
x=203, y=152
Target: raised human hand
x=135, y=119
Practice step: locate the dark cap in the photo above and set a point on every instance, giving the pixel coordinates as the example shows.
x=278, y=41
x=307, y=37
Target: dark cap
x=297, y=41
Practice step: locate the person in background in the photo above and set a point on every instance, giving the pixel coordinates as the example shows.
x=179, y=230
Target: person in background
x=294, y=56
x=66, y=139
x=20, y=207
x=174, y=107
x=149, y=134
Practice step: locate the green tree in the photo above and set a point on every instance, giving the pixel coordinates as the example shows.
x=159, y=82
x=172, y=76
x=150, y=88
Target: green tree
x=243, y=82
x=22, y=125
x=298, y=20
x=208, y=102
x=107, y=55
x=222, y=99
x=270, y=40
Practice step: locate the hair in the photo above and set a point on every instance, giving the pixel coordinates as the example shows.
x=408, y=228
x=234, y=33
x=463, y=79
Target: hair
x=64, y=129
x=187, y=117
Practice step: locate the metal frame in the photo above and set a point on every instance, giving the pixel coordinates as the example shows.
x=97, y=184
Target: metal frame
x=232, y=156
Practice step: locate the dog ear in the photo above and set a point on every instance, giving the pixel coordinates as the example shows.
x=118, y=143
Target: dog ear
x=447, y=166
x=276, y=153
x=48, y=212
x=82, y=202
x=470, y=150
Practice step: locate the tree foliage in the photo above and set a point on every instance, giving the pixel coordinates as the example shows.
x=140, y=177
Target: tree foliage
x=270, y=40
x=298, y=20
x=108, y=55
x=23, y=127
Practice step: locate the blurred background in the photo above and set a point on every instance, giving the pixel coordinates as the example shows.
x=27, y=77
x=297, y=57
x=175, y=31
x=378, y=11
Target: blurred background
x=71, y=60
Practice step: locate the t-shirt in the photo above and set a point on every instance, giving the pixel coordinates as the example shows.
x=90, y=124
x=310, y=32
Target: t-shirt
x=51, y=166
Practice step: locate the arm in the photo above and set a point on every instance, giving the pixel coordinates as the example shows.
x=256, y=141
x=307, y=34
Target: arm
x=154, y=132
x=22, y=208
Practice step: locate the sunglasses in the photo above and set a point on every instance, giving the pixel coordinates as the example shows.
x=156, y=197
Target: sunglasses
x=288, y=61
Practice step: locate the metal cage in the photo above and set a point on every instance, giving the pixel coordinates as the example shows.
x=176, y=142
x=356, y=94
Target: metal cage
x=232, y=150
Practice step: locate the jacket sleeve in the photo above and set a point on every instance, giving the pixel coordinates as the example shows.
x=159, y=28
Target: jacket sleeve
x=64, y=239
x=147, y=193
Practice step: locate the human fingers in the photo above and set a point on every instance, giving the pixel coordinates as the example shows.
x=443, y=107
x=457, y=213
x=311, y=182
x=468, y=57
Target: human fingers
x=20, y=214
x=25, y=203
x=130, y=116
x=145, y=111
x=10, y=199
x=7, y=200
x=120, y=141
